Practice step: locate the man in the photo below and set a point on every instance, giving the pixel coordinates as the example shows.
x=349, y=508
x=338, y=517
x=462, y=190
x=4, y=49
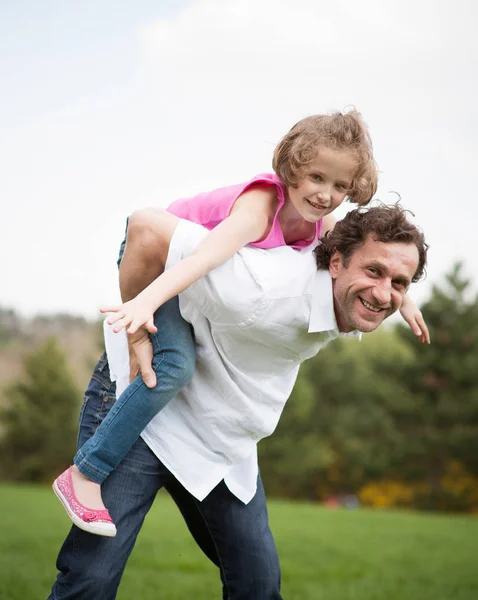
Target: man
x=255, y=318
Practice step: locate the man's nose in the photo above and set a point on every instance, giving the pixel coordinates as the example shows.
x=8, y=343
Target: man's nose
x=382, y=293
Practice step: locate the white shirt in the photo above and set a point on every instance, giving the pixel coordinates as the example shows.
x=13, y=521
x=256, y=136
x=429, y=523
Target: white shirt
x=255, y=319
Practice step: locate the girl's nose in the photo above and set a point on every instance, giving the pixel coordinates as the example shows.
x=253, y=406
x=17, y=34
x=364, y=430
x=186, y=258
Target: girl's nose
x=324, y=195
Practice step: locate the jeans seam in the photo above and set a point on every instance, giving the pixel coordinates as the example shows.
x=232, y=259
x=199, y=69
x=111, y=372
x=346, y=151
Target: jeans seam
x=84, y=465
x=198, y=506
x=155, y=364
x=87, y=468
x=104, y=382
x=82, y=412
x=74, y=551
x=138, y=387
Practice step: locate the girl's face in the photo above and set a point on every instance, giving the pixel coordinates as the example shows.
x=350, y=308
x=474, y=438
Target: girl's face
x=326, y=183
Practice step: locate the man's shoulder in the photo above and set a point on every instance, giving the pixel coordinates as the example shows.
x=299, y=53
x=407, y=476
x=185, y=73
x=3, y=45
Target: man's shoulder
x=281, y=271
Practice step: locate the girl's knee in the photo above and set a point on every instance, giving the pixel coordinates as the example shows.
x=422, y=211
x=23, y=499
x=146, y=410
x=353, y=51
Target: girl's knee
x=181, y=364
x=174, y=365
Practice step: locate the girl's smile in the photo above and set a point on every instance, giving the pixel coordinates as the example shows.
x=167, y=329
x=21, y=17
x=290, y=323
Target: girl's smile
x=326, y=182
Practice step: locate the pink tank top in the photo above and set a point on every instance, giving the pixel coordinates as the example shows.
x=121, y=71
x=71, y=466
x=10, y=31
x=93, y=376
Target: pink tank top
x=211, y=208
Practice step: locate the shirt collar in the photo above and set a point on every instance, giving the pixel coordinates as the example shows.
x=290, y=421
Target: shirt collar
x=322, y=314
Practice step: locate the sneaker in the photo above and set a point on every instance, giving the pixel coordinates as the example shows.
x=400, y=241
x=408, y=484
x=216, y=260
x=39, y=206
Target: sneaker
x=98, y=522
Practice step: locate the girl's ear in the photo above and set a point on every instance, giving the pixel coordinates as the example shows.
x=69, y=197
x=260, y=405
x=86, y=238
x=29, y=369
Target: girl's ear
x=335, y=264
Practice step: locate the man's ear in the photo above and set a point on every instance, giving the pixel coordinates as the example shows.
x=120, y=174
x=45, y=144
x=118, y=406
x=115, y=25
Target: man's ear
x=335, y=264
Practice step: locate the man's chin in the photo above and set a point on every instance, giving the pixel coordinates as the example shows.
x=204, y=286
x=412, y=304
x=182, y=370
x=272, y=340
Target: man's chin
x=366, y=325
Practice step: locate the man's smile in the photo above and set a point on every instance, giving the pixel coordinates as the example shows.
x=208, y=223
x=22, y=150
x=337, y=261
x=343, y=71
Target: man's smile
x=369, y=306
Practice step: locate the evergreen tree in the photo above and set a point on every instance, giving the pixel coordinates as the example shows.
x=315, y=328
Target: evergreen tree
x=336, y=432
x=39, y=422
x=443, y=379
x=387, y=408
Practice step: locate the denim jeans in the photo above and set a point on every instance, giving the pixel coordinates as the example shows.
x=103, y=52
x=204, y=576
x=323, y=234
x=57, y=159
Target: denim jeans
x=173, y=362
x=235, y=536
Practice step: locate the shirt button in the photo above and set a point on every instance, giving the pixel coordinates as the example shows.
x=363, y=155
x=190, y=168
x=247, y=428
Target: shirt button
x=254, y=437
x=229, y=461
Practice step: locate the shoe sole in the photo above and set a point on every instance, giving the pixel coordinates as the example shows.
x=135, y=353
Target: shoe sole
x=89, y=527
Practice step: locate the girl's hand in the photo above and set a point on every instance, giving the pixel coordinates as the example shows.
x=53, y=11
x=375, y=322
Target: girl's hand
x=413, y=316
x=135, y=313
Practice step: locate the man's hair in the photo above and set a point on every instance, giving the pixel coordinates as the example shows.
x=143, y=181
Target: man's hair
x=338, y=131
x=384, y=223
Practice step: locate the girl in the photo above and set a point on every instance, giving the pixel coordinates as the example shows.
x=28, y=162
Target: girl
x=321, y=161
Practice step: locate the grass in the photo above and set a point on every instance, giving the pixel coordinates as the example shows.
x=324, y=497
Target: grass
x=325, y=554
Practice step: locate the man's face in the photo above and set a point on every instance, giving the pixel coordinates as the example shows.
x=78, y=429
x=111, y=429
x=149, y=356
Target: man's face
x=373, y=285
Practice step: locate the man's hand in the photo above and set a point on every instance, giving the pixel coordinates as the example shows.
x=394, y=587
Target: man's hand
x=141, y=357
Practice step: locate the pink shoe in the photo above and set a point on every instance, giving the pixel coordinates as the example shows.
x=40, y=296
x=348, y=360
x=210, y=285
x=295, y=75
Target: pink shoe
x=98, y=522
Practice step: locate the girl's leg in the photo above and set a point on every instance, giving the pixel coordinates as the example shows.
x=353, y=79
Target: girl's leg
x=90, y=567
x=173, y=363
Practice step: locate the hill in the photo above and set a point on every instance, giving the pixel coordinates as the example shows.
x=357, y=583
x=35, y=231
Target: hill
x=80, y=339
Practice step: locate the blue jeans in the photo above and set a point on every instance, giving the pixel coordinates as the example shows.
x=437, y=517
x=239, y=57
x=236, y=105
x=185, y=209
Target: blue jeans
x=235, y=536
x=173, y=362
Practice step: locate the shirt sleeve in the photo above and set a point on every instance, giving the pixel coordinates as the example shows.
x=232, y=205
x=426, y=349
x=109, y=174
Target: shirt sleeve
x=230, y=294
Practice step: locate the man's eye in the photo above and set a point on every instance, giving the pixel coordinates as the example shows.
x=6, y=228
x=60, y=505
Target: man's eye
x=373, y=270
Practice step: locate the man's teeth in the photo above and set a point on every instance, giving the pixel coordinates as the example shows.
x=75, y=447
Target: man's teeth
x=369, y=306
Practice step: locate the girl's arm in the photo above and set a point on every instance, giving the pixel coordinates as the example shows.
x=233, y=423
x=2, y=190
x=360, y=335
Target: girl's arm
x=413, y=316
x=249, y=221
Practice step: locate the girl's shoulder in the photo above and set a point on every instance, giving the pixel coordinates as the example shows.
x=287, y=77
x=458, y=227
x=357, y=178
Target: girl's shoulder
x=269, y=182
x=261, y=193
x=264, y=192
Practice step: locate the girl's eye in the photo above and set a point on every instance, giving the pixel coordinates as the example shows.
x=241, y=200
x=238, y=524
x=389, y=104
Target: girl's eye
x=316, y=177
x=341, y=187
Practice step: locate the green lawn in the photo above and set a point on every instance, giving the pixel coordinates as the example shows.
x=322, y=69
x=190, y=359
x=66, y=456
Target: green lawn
x=325, y=554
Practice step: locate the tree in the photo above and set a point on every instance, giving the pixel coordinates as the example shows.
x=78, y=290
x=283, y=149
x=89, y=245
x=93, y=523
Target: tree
x=443, y=379
x=10, y=325
x=39, y=421
x=388, y=408
x=336, y=431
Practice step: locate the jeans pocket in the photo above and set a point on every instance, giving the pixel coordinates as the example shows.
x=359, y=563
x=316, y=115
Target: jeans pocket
x=104, y=408
x=101, y=374
x=98, y=399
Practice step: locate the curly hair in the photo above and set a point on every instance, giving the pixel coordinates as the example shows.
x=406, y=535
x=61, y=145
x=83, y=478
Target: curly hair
x=338, y=131
x=384, y=223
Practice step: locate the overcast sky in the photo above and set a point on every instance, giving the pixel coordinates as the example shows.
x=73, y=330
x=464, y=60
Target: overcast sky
x=111, y=105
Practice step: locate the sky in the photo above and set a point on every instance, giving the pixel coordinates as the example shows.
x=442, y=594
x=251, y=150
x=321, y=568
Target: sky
x=110, y=106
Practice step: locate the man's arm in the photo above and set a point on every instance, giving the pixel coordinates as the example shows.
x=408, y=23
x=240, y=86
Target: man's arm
x=147, y=244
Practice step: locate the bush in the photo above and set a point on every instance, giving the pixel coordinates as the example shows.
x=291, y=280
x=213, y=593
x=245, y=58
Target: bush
x=38, y=423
